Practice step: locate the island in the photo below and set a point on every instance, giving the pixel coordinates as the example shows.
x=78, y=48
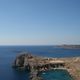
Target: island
x=36, y=64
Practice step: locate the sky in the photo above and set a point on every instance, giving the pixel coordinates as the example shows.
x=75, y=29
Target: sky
x=39, y=22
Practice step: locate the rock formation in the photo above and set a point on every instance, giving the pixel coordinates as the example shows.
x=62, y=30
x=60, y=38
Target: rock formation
x=35, y=64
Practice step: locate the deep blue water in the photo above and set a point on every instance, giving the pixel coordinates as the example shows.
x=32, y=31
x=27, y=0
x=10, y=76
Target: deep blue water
x=8, y=54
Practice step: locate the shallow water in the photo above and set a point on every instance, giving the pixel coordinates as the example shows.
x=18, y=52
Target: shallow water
x=56, y=75
x=8, y=54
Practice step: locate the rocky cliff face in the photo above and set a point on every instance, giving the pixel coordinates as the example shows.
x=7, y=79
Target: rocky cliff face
x=21, y=61
x=27, y=61
x=35, y=64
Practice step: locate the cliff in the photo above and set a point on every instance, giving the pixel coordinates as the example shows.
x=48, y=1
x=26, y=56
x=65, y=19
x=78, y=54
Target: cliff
x=36, y=64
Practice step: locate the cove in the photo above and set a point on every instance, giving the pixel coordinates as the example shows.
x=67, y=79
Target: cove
x=56, y=75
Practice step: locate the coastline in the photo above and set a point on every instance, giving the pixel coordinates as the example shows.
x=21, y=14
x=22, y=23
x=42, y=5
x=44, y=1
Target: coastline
x=72, y=65
x=36, y=64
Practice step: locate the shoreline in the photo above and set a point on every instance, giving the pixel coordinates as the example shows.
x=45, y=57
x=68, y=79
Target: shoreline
x=73, y=66
x=36, y=64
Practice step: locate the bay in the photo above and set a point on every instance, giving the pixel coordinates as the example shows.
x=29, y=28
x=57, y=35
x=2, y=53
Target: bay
x=9, y=53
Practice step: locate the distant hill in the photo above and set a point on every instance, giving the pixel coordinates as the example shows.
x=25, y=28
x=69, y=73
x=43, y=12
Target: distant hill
x=70, y=46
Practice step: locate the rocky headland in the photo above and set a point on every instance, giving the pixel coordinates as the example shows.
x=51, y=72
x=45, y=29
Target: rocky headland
x=36, y=64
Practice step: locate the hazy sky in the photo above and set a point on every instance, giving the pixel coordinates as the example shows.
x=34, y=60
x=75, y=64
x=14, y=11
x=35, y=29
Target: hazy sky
x=39, y=22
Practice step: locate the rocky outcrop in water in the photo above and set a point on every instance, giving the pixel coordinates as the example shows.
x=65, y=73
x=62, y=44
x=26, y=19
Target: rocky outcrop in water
x=28, y=62
x=35, y=64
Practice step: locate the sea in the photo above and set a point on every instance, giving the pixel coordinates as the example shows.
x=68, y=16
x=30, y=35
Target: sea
x=9, y=53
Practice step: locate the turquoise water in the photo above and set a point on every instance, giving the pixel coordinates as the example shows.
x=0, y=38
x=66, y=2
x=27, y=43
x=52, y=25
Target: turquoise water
x=9, y=53
x=56, y=75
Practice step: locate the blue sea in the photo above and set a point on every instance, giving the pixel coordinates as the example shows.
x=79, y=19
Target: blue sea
x=9, y=53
